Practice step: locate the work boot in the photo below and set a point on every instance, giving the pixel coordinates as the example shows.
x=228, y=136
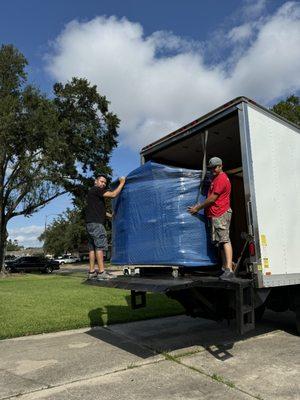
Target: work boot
x=227, y=274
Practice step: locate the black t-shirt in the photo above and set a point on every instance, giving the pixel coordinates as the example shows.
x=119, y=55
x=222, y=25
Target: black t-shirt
x=95, y=210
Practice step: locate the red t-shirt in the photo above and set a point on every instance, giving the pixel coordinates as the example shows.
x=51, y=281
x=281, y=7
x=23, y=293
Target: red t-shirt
x=221, y=186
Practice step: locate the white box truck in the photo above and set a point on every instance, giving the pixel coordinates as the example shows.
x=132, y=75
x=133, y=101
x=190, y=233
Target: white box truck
x=261, y=154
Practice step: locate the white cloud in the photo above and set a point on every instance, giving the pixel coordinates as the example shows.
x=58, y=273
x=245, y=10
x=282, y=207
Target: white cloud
x=241, y=32
x=252, y=9
x=27, y=236
x=270, y=67
x=157, y=83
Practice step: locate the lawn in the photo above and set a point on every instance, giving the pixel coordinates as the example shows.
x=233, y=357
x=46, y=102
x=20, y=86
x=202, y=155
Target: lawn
x=31, y=304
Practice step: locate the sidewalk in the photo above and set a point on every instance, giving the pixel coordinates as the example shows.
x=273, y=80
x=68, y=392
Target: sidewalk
x=170, y=358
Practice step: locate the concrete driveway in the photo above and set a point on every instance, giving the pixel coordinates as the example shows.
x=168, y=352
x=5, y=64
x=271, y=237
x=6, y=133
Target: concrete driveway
x=170, y=358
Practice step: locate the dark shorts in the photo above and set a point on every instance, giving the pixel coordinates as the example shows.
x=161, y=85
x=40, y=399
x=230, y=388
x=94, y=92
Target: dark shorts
x=220, y=228
x=97, y=238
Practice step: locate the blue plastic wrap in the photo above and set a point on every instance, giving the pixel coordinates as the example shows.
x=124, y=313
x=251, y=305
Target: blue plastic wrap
x=151, y=223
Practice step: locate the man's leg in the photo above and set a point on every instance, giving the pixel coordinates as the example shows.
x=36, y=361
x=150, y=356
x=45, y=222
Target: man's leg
x=92, y=260
x=222, y=254
x=91, y=244
x=100, y=260
x=227, y=250
x=223, y=225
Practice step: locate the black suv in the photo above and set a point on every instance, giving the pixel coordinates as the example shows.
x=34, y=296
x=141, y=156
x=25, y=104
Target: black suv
x=32, y=264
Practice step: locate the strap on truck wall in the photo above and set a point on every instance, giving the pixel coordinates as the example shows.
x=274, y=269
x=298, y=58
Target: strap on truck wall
x=204, y=145
x=204, y=138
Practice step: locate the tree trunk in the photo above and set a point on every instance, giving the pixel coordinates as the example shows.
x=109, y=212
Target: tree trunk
x=3, y=239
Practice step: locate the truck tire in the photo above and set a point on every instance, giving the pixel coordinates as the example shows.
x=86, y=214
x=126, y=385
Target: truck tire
x=49, y=269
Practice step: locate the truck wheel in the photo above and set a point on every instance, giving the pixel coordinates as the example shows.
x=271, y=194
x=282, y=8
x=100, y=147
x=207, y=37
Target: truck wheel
x=259, y=312
x=48, y=270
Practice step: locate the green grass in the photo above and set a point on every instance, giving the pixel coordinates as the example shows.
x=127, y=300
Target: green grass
x=31, y=304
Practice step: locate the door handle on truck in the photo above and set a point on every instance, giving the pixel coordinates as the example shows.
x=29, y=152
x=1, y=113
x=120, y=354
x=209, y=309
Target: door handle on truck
x=250, y=218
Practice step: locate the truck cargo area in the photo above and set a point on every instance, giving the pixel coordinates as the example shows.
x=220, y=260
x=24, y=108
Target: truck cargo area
x=223, y=140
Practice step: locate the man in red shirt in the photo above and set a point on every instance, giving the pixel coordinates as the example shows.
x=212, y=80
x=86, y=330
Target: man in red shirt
x=217, y=207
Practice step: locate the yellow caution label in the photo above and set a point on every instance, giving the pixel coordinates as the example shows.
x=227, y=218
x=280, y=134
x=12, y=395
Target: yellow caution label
x=266, y=263
x=259, y=267
x=263, y=240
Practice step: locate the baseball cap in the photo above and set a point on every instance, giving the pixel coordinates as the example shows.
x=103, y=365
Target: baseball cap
x=214, y=162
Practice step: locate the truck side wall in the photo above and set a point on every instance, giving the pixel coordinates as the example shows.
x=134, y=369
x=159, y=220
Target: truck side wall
x=275, y=149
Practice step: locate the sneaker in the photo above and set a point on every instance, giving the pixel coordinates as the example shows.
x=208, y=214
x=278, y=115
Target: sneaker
x=227, y=274
x=92, y=275
x=105, y=275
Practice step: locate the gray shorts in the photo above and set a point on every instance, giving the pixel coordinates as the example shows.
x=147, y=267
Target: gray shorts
x=97, y=238
x=220, y=228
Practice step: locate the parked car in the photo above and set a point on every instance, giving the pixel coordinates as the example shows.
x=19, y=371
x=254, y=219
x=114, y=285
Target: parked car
x=32, y=264
x=9, y=257
x=67, y=259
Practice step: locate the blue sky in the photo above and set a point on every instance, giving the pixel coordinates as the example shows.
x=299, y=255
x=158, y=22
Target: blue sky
x=161, y=63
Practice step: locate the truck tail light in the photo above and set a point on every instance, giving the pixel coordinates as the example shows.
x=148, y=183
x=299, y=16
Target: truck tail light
x=251, y=248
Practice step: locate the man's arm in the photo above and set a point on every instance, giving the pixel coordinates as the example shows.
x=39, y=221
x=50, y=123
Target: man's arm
x=197, y=207
x=114, y=193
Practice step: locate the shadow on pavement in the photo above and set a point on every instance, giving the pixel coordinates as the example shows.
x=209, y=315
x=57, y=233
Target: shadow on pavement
x=117, y=340
x=181, y=333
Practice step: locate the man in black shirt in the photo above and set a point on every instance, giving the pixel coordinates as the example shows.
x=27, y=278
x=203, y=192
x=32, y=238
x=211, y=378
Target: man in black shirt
x=95, y=214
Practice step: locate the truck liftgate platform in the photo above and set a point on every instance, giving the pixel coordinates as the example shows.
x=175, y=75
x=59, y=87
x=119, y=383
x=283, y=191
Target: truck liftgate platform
x=201, y=296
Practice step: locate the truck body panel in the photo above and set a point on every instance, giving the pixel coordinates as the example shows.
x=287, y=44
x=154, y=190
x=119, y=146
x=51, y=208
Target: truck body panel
x=275, y=153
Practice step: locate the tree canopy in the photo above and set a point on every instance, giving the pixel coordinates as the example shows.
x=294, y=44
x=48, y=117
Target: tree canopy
x=289, y=109
x=65, y=234
x=13, y=245
x=49, y=146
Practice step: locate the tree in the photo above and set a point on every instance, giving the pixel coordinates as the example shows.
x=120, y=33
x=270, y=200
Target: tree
x=49, y=146
x=65, y=234
x=289, y=109
x=13, y=245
